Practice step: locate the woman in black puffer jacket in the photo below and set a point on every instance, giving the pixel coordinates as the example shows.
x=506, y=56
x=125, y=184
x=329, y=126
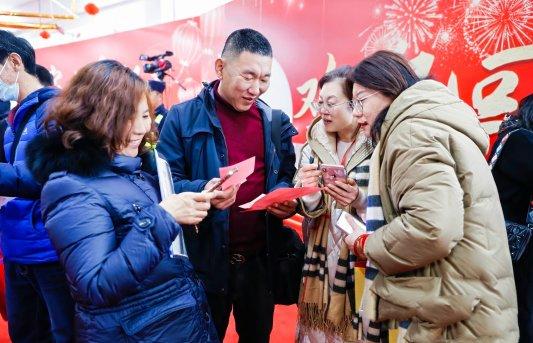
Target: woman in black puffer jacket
x=513, y=173
x=105, y=216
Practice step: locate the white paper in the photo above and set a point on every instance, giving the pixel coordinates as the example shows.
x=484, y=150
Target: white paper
x=348, y=223
x=166, y=187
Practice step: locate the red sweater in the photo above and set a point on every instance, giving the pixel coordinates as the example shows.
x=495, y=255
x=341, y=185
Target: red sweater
x=244, y=139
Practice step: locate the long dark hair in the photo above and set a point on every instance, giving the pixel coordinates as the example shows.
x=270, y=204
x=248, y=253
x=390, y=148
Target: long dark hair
x=386, y=72
x=521, y=118
x=525, y=112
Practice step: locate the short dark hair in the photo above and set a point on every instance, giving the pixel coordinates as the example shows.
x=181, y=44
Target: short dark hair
x=525, y=112
x=9, y=43
x=45, y=77
x=341, y=72
x=246, y=40
x=386, y=72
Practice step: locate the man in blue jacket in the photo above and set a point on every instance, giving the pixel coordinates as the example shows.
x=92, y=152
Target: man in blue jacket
x=225, y=124
x=39, y=306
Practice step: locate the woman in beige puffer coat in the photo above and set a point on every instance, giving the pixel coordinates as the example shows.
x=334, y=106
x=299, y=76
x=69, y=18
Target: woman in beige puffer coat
x=439, y=247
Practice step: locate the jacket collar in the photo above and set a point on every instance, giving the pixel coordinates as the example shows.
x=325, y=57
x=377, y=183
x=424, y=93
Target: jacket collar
x=34, y=98
x=125, y=164
x=324, y=144
x=207, y=95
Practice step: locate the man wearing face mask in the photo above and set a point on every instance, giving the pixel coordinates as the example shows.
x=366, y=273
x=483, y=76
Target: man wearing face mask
x=226, y=124
x=39, y=306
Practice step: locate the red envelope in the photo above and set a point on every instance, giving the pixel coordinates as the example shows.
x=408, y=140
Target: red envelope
x=279, y=195
x=244, y=169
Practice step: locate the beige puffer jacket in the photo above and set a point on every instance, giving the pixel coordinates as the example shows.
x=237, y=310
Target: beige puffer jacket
x=443, y=256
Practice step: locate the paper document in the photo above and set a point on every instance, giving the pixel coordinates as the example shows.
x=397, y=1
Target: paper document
x=166, y=186
x=348, y=223
x=279, y=195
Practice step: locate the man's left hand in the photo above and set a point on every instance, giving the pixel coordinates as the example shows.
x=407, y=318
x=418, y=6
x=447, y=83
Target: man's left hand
x=283, y=210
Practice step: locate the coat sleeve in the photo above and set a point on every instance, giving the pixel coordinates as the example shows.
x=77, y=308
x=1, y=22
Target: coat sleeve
x=171, y=145
x=429, y=200
x=287, y=167
x=99, y=268
x=17, y=181
x=311, y=206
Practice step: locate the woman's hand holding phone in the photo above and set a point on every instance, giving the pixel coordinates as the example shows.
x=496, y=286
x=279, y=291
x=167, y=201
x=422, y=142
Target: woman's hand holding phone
x=344, y=192
x=308, y=175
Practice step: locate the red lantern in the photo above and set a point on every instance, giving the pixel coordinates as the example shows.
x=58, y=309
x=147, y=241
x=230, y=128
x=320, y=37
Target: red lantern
x=44, y=34
x=91, y=9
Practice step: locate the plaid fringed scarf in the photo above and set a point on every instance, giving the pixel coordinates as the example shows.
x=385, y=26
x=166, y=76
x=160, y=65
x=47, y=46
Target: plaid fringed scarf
x=373, y=331
x=331, y=312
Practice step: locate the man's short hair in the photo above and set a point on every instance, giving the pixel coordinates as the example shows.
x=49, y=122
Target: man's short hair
x=246, y=40
x=45, y=77
x=9, y=43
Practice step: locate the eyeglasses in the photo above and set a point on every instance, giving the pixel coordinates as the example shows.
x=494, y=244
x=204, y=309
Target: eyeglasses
x=326, y=107
x=357, y=104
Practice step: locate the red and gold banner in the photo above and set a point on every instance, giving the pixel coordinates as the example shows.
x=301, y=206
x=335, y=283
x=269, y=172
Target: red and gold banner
x=482, y=49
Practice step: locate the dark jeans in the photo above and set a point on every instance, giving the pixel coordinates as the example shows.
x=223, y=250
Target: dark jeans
x=250, y=298
x=39, y=306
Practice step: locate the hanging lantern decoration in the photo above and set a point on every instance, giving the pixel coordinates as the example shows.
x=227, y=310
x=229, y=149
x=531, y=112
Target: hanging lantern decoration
x=91, y=9
x=211, y=24
x=44, y=34
x=187, y=44
x=207, y=65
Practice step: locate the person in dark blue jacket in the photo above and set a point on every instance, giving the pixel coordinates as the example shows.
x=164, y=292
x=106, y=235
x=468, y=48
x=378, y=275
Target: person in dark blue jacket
x=226, y=124
x=106, y=218
x=39, y=306
x=156, y=97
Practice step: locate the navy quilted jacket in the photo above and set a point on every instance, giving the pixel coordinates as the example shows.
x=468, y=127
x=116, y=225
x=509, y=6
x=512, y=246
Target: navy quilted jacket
x=113, y=240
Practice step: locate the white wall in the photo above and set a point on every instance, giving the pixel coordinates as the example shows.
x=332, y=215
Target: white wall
x=114, y=16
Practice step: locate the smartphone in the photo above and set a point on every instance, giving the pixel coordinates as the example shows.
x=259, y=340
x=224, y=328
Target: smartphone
x=332, y=173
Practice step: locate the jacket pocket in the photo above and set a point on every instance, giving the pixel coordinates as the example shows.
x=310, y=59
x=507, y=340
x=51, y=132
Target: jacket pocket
x=155, y=311
x=403, y=298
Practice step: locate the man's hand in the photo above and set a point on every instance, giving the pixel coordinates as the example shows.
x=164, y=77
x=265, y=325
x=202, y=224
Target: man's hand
x=223, y=199
x=283, y=210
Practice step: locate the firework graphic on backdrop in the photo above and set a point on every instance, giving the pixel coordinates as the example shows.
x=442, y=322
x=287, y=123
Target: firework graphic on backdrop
x=414, y=20
x=450, y=29
x=491, y=26
x=382, y=39
x=444, y=37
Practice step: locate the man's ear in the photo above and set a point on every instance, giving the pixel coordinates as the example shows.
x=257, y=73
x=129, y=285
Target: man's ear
x=16, y=60
x=219, y=65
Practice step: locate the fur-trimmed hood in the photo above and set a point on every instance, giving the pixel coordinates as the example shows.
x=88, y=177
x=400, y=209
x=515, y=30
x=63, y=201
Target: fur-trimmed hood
x=46, y=154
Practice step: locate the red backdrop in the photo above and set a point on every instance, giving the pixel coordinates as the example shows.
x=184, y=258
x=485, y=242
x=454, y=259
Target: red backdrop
x=481, y=48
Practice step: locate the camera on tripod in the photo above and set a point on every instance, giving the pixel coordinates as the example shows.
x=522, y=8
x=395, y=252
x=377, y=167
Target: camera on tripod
x=157, y=64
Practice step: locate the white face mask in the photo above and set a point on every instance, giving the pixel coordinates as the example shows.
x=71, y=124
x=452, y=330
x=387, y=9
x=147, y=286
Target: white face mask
x=9, y=92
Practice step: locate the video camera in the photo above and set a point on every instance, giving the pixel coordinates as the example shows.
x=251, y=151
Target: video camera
x=159, y=65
